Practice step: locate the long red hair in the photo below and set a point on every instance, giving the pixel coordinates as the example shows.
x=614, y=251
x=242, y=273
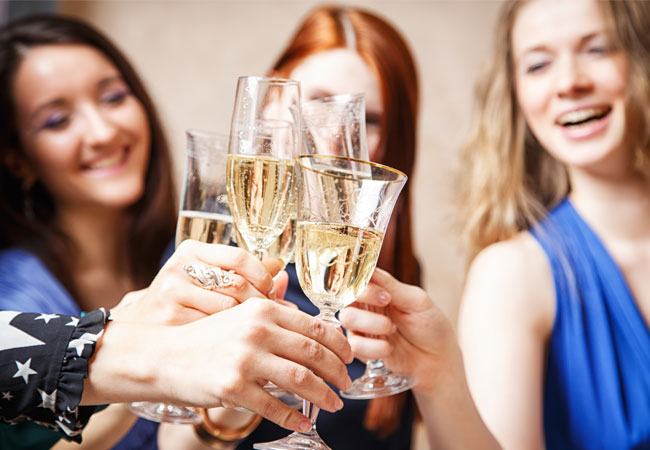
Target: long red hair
x=387, y=54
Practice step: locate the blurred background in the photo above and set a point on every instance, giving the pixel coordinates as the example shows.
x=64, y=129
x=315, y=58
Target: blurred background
x=190, y=54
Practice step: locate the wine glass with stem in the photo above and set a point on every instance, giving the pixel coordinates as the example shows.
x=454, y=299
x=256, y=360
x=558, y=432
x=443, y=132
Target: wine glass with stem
x=331, y=125
x=344, y=206
x=203, y=216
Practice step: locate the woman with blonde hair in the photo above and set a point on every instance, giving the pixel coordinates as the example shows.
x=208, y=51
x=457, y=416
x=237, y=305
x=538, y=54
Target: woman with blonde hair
x=554, y=318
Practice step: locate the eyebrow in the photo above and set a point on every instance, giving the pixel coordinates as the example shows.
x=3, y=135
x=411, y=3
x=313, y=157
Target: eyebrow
x=60, y=101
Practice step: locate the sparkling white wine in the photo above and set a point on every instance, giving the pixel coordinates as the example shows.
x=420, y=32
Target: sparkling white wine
x=282, y=247
x=261, y=197
x=205, y=227
x=334, y=261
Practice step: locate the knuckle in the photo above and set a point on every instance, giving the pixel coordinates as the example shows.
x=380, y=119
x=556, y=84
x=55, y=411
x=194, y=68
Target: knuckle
x=274, y=409
x=316, y=329
x=300, y=376
x=233, y=385
x=257, y=332
x=314, y=351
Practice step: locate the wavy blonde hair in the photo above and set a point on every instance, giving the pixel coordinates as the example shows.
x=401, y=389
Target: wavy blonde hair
x=509, y=182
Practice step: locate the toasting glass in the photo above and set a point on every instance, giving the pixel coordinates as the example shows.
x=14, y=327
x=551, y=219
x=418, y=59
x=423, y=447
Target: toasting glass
x=344, y=206
x=204, y=216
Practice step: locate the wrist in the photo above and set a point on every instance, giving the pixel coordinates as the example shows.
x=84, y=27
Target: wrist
x=119, y=372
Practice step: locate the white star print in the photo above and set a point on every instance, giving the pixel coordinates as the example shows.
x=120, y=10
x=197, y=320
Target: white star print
x=24, y=370
x=12, y=337
x=86, y=338
x=49, y=400
x=74, y=321
x=46, y=317
x=7, y=396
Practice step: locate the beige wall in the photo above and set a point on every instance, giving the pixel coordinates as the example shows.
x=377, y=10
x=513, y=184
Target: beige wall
x=190, y=54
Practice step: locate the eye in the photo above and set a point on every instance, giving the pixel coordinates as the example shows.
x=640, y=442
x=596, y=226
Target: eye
x=537, y=67
x=115, y=97
x=55, y=121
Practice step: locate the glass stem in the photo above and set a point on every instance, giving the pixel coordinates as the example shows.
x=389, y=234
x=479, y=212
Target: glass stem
x=259, y=253
x=376, y=368
x=310, y=410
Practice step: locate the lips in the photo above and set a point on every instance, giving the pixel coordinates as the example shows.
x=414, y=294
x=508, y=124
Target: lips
x=111, y=159
x=583, y=116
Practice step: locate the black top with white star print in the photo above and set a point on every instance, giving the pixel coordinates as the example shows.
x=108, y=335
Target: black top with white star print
x=43, y=362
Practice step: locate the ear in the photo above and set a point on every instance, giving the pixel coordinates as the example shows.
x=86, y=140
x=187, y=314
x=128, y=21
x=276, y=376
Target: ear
x=20, y=167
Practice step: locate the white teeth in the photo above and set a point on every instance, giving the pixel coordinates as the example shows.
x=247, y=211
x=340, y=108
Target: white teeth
x=108, y=162
x=582, y=115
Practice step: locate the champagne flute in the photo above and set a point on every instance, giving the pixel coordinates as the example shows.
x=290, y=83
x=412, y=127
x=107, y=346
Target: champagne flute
x=344, y=206
x=260, y=181
x=329, y=125
x=204, y=216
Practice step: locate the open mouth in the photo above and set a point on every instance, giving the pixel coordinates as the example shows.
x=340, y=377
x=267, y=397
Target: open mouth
x=583, y=117
x=114, y=159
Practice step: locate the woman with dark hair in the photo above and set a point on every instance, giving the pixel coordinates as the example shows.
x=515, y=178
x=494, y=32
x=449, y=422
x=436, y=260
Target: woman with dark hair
x=85, y=187
x=86, y=193
x=346, y=50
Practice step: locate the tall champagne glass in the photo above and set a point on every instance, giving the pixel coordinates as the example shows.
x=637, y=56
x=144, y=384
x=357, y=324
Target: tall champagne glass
x=344, y=206
x=260, y=181
x=332, y=125
x=203, y=216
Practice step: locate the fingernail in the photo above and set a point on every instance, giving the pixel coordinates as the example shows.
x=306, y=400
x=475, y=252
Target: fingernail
x=348, y=382
x=304, y=426
x=394, y=328
x=339, y=404
x=272, y=293
x=384, y=297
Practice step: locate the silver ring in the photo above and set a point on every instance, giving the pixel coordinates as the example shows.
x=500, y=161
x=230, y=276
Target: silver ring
x=209, y=277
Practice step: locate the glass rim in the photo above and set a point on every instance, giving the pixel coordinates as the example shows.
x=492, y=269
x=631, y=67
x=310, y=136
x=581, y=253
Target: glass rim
x=269, y=80
x=333, y=99
x=345, y=158
x=206, y=133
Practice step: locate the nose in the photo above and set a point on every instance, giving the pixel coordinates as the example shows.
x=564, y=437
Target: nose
x=572, y=79
x=99, y=130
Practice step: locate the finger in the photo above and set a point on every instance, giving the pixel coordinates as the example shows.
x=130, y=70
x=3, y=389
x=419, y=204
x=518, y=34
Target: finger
x=300, y=380
x=366, y=348
x=310, y=353
x=367, y=322
x=404, y=297
x=207, y=302
x=261, y=402
x=288, y=304
x=227, y=258
x=281, y=283
x=375, y=295
x=315, y=329
x=273, y=265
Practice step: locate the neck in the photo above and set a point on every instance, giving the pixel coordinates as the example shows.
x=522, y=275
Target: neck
x=97, y=234
x=618, y=206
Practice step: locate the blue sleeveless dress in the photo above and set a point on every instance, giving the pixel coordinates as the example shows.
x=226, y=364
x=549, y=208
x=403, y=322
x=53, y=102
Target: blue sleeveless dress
x=597, y=383
x=27, y=285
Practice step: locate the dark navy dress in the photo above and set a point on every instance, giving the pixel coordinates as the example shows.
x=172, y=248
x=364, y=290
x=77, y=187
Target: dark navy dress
x=343, y=429
x=597, y=384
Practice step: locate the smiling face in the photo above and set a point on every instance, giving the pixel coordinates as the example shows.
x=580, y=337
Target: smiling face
x=571, y=82
x=343, y=71
x=85, y=135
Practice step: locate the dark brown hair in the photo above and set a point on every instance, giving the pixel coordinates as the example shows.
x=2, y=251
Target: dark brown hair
x=151, y=220
x=387, y=54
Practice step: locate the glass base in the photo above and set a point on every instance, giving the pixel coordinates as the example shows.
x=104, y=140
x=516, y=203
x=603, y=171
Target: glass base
x=368, y=386
x=295, y=441
x=165, y=412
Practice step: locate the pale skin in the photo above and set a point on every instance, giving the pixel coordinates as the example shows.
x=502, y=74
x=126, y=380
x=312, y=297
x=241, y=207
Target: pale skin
x=564, y=62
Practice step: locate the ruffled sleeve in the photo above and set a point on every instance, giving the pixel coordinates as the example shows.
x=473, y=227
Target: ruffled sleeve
x=43, y=362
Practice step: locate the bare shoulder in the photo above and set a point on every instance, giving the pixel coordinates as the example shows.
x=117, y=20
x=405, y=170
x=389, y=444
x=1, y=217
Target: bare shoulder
x=511, y=278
